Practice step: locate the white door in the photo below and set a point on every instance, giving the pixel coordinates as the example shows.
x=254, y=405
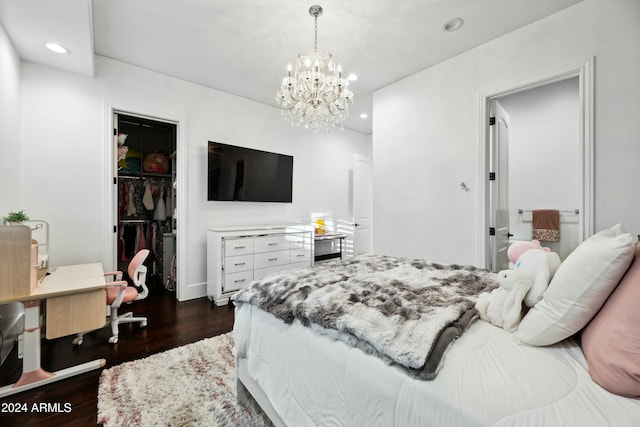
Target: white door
x=362, y=205
x=115, y=195
x=498, y=187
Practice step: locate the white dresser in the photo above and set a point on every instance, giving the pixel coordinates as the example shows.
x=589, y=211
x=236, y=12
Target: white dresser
x=238, y=255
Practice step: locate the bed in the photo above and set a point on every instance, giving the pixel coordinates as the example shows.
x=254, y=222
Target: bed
x=303, y=372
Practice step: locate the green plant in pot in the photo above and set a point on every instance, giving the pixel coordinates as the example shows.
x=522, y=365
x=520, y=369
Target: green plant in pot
x=16, y=217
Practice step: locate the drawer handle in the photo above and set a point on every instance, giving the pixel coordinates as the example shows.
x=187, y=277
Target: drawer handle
x=300, y=255
x=239, y=280
x=239, y=263
x=273, y=259
x=273, y=244
x=239, y=247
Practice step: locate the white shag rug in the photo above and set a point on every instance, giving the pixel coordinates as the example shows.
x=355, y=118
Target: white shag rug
x=192, y=385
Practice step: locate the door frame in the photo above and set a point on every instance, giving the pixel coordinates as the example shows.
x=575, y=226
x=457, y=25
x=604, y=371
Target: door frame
x=496, y=152
x=585, y=73
x=111, y=201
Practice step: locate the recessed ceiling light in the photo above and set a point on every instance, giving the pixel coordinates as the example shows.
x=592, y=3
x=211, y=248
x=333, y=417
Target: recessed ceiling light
x=352, y=77
x=453, y=25
x=57, y=48
x=364, y=115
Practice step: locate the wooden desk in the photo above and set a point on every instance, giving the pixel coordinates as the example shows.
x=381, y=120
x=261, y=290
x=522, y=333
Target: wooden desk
x=75, y=298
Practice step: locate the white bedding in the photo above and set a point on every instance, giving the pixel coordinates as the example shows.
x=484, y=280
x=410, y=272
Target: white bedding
x=487, y=380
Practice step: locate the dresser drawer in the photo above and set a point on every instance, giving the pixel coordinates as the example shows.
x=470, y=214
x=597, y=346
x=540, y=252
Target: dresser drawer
x=299, y=241
x=270, y=259
x=234, y=247
x=299, y=255
x=270, y=243
x=235, y=281
x=259, y=273
x=233, y=264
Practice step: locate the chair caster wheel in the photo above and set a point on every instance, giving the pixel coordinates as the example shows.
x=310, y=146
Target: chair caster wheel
x=113, y=340
x=77, y=341
x=143, y=323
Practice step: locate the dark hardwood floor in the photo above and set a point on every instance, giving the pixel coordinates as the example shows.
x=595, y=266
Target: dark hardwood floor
x=170, y=324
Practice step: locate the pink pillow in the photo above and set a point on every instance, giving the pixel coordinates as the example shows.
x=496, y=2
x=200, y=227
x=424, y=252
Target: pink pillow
x=611, y=342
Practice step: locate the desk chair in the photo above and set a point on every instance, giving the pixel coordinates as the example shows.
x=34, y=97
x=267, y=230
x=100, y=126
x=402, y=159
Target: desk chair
x=119, y=293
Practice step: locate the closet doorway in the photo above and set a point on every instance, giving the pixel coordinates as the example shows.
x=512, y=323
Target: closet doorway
x=145, y=196
x=545, y=164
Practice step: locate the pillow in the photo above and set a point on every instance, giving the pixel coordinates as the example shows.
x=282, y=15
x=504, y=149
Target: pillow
x=611, y=342
x=579, y=288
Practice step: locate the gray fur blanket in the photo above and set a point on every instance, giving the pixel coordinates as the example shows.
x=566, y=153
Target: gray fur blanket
x=406, y=311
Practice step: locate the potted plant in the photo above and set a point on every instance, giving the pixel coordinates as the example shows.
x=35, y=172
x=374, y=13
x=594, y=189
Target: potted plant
x=16, y=217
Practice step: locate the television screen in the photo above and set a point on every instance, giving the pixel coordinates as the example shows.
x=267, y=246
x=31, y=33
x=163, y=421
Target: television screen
x=244, y=174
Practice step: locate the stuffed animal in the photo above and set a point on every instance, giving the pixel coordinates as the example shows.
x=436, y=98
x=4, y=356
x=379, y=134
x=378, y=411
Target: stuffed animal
x=541, y=265
x=122, y=152
x=518, y=248
x=122, y=137
x=503, y=306
x=122, y=149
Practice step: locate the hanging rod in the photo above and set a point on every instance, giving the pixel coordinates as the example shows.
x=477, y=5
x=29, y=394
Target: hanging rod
x=575, y=211
x=157, y=177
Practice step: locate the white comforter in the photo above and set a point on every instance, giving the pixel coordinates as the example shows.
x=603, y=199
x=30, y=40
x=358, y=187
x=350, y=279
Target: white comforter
x=487, y=380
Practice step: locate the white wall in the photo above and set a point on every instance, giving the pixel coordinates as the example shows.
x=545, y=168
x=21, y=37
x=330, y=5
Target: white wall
x=544, y=147
x=65, y=141
x=545, y=161
x=9, y=126
x=426, y=131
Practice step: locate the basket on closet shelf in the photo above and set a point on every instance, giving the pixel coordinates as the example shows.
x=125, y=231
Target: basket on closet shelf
x=156, y=163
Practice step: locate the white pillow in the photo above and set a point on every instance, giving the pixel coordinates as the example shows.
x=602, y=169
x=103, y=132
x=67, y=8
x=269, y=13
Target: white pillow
x=582, y=284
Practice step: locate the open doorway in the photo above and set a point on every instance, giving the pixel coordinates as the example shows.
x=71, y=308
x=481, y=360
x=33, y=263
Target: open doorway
x=145, y=196
x=537, y=155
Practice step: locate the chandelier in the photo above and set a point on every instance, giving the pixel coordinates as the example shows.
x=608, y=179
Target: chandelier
x=313, y=93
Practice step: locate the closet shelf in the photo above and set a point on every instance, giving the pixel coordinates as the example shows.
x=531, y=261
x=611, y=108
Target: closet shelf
x=142, y=221
x=146, y=175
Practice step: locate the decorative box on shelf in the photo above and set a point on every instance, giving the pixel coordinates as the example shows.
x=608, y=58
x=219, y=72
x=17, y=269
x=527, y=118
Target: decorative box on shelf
x=238, y=255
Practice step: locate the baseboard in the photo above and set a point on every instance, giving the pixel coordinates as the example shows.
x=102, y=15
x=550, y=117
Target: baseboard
x=192, y=291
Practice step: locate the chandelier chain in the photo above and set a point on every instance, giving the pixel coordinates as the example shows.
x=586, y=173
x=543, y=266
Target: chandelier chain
x=315, y=42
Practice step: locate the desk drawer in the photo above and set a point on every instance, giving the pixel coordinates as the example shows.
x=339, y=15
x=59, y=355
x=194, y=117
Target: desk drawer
x=270, y=259
x=235, y=281
x=270, y=243
x=233, y=247
x=234, y=264
x=70, y=314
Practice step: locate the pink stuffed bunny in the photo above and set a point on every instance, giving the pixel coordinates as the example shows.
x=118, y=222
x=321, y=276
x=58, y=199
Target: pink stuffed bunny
x=518, y=248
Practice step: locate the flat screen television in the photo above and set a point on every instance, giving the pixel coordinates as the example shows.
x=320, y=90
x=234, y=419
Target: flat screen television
x=248, y=175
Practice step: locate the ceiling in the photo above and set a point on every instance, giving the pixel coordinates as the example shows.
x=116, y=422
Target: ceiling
x=242, y=47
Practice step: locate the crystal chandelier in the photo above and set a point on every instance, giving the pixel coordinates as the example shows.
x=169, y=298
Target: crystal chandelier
x=313, y=93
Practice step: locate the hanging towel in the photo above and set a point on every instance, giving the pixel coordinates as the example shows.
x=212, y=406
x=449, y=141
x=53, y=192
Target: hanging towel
x=546, y=225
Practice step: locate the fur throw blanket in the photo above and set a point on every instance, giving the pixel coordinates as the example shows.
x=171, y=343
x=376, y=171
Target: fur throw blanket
x=406, y=311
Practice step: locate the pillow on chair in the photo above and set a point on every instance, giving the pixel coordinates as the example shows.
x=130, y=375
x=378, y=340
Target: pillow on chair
x=611, y=342
x=579, y=288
